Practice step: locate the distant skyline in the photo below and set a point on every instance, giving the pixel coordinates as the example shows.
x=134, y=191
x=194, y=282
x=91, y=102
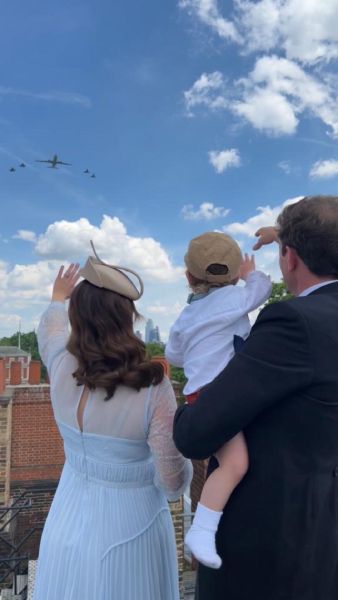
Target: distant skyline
x=194, y=115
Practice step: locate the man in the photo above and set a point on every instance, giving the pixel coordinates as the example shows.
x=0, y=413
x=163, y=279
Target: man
x=278, y=537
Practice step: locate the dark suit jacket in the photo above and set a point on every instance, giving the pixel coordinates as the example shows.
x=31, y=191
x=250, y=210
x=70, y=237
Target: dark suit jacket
x=278, y=536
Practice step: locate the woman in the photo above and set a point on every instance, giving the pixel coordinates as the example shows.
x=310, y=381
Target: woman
x=109, y=533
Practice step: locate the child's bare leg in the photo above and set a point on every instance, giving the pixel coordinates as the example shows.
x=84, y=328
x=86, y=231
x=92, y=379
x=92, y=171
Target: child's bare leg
x=233, y=464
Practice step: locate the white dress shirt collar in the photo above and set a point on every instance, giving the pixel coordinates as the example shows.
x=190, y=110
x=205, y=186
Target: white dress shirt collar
x=311, y=289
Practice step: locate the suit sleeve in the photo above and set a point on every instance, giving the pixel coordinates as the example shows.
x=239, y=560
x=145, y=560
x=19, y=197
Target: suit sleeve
x=274, y=363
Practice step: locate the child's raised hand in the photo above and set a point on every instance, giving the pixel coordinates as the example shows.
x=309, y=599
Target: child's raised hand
x=266, y=235
x=248, y=265
x=65, y=282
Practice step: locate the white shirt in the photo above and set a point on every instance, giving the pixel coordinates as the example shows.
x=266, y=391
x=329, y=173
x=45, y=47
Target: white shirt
x=201, y=339
x=311, y=289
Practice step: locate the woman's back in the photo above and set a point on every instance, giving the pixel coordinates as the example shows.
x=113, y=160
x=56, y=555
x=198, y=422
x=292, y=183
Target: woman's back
x=111, y=507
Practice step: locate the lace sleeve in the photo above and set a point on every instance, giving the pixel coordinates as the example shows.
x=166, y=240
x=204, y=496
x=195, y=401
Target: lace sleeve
x=173, y=471
x=52, y=333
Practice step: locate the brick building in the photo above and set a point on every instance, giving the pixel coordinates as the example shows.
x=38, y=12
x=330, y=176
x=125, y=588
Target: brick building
x=16, y=364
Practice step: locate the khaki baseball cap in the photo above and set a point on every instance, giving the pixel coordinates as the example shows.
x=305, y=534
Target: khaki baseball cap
x=111, y=277
x=213, y=248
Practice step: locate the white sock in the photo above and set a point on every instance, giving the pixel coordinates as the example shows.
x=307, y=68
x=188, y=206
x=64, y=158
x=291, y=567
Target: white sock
x=201, y=536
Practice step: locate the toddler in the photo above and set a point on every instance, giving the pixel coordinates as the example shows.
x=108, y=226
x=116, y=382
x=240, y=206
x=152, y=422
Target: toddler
x=203, y=339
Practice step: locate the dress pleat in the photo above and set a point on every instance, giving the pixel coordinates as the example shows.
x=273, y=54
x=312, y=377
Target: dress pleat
x=109, y=533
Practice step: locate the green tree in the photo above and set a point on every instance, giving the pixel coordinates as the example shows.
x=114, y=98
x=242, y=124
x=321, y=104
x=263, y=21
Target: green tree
x=28, y=342
x=155, y=349
x=177, y=374
x=279, y=292
x=158, y=349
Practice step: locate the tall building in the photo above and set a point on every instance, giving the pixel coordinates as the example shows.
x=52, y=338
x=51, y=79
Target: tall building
x=152, y=332
x=149, y=328
x=154, y=335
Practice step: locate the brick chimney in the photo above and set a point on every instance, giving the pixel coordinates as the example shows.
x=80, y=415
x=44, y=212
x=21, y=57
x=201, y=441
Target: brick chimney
x=34, y=372
x=16, y=370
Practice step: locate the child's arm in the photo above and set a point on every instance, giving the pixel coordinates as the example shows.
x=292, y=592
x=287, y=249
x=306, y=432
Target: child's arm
x=173, y=350
x=257, y=287
x=266, y=235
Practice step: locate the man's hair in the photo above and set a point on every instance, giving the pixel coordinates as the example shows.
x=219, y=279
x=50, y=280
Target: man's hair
x=310, y=227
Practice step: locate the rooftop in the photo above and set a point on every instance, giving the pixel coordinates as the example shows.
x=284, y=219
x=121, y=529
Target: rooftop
x=12, y=351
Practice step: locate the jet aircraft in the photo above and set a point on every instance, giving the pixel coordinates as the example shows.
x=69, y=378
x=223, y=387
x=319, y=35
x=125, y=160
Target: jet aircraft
x=12, y=170
x=53, y=162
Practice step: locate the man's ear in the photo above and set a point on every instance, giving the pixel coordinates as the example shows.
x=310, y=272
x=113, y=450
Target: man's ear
x=291, y=257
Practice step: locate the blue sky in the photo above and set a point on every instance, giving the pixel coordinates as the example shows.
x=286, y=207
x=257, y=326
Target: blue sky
x=191, y=113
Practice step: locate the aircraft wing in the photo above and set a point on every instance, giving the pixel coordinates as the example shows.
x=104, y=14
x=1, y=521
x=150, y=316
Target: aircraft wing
x=60, y=162
x=44, y=161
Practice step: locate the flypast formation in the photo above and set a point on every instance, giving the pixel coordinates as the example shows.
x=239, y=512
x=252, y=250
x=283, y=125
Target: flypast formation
x=52, y=163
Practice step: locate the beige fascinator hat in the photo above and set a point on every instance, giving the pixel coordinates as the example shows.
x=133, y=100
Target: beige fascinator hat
x=111, y=277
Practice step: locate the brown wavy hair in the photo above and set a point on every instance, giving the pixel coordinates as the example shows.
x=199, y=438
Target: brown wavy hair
x=103, y=341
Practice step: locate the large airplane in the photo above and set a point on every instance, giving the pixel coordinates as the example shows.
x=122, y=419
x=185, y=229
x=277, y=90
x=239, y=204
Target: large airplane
x=54, y=161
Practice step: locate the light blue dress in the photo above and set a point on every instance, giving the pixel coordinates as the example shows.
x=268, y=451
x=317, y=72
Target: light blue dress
x=109, y=534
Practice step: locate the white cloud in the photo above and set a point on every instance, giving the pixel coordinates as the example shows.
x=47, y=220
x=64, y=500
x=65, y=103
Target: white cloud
x=209, y=14
x=31, y=280
x=278, y=90
x=304, y=31
x=324, y=169
x=207, y=91
x=206, y=211
x=265, y=216
x=25, y=286
x=52, y=96
x=259, y=22
x=267, y=261
x=10, y=321
x=172, y=310
x=25, y=289
x=224, y=159
x=271, y=98
x=25, y=235
x=267, y=111
x=70, y=240
x=285, y=166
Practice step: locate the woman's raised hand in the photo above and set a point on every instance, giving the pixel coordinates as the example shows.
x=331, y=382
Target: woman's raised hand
x=65, y=282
